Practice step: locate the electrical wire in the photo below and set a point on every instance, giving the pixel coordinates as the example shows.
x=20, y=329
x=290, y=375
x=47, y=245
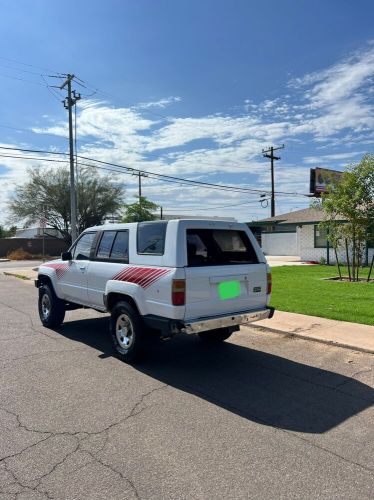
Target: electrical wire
x=31, y=65
x=50, y=89
x=191, y=209
x=21, y=79
x=20, y=69
x=160, y=176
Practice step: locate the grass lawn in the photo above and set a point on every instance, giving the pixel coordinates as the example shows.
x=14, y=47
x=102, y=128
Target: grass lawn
x=300, y=289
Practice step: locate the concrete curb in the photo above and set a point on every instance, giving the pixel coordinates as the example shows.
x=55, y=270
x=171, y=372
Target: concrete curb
x=312, y=338
x=17, y=275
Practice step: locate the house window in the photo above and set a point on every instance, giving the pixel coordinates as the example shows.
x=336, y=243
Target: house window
x=320, y=237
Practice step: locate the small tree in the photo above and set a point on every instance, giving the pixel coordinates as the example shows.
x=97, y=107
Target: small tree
x=46, y=194
x=140, y=211
x=352, y=200
x=7, y=233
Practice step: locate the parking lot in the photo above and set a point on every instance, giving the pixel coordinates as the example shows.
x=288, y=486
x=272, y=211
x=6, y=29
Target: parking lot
x=260, y=416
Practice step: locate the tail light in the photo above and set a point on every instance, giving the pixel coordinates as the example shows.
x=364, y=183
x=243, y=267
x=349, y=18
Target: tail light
x=268, y=289
x=178, y=292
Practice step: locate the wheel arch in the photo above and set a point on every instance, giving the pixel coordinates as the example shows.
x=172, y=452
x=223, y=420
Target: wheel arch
x=46, y=280
x=114, y=297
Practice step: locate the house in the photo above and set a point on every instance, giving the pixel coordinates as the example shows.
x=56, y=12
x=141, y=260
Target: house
x=204, y=217
x=37, y=232
x=298, y=233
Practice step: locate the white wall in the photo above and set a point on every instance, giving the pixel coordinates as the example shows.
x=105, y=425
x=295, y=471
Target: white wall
x=308, y=252
x=279, y=243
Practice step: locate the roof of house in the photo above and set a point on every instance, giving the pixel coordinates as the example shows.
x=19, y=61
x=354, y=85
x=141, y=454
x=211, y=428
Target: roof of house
x=304, y=216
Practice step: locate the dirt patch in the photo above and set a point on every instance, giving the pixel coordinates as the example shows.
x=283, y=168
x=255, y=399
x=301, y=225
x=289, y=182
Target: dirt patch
x=346, y=279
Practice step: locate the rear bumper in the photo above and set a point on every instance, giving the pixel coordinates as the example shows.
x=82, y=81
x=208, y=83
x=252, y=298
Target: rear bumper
x=204, y=324
x=169, y=327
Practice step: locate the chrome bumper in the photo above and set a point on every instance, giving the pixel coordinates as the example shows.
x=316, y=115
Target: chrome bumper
x=211, y=323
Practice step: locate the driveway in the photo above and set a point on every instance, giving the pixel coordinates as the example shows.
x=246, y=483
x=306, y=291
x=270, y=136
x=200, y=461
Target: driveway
x=260, y=416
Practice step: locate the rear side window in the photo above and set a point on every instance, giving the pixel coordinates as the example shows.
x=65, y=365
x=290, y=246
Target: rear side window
x=120, y=248
x=219, y=247
x=151, y=237
x=114, y=245
x=82, y=249
x=105, y=246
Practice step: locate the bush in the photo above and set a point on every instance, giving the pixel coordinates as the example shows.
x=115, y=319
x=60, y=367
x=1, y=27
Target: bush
x=19, y=254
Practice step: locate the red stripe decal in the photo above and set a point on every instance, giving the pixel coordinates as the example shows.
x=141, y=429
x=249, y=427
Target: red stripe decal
x=60, y=269
x=142, y=276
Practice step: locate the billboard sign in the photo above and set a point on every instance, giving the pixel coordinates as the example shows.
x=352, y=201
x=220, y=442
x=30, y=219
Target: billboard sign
x=322, y=179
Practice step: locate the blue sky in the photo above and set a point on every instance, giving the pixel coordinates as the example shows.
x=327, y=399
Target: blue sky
x=193, y=89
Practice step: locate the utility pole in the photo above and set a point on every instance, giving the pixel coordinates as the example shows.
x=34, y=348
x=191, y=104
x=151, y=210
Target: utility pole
x=140, y=175
x=140, y=185
x=68, y=103
x=265, y=154
x=160, y=213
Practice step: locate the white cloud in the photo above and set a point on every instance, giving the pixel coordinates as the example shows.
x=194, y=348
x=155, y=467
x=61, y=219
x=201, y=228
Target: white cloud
x=161, y=103
x=337, y=156
x=326, y=109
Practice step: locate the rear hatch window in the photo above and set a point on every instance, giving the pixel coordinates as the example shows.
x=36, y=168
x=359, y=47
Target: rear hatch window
x=219, y=247
x=223, y=275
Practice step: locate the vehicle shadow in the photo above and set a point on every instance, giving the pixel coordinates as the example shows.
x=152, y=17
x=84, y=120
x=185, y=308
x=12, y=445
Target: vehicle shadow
x=256, y=385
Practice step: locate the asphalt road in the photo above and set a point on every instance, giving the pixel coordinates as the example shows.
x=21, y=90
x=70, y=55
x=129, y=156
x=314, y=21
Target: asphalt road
x=260, y=416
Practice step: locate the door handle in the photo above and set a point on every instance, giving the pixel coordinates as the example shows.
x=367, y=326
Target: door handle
x=82, y=268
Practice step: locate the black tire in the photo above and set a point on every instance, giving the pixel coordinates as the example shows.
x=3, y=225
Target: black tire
x=215, y=336
x=51, y=308
x=127, y=332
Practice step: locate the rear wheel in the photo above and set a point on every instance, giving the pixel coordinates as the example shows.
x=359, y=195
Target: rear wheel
x=217, y=335
x=127, y=332
x=51, y=308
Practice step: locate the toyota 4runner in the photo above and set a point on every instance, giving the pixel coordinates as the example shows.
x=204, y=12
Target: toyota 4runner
x=182, y=276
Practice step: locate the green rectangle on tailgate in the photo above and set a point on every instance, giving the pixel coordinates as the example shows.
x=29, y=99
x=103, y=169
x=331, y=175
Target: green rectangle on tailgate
x=228, y=289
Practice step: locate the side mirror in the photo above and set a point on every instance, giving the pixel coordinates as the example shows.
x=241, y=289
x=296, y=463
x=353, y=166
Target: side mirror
x=66, y=256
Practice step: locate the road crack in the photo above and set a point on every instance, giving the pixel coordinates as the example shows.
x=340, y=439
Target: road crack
x=81, y=437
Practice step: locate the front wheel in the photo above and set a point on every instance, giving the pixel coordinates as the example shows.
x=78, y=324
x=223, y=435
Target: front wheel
x=51, y=308
x=127, y=332
x=215, y=336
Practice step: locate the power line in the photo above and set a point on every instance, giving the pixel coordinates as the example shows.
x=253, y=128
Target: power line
x=134, y=170
x=22, y=79
x=20, y=69
x=190, y=209
x=159, y=176
x=50, y=89
x=31, y=65
x=111, y=169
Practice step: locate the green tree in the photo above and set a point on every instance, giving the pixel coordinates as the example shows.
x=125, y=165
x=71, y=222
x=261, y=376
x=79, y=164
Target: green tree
x=140, y=211
x=7, y=233
x=46, y=195
x=352, y=200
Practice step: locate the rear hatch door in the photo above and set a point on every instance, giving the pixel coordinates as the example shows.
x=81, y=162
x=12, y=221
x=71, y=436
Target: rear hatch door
x=223, y=274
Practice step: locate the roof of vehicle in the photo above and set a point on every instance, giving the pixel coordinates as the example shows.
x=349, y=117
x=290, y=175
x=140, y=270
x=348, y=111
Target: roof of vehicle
x=127, y=225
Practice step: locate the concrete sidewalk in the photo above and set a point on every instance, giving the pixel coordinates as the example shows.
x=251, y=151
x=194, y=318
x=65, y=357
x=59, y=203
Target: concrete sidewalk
x=286, y=260
x=339, y=333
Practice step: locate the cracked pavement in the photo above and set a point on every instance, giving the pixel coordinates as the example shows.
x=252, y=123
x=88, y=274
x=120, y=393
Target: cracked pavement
x=260, y=416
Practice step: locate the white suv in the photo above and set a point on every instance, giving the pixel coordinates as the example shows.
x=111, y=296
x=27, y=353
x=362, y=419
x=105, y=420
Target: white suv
x=192, y=276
